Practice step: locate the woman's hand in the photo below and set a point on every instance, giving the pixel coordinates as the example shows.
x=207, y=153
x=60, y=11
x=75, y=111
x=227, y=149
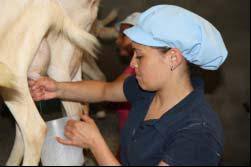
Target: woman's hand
x=43, y=89
x=86, y=135
x=83, y=133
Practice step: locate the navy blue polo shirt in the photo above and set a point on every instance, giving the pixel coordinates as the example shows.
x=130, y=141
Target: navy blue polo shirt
x=188, y=134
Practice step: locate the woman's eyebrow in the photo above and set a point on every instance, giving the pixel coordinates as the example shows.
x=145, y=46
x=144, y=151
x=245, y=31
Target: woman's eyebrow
x=137, y=50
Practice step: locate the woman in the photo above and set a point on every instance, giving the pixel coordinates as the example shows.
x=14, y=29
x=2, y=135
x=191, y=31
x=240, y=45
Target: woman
x=125, y=49
x=170, y=123
x=124, y=45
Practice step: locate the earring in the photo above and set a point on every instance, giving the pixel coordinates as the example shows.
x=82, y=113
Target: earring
x=172, y=68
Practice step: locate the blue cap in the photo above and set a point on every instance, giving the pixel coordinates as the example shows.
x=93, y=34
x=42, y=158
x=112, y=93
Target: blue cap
x=132, y=19
x=172, y=26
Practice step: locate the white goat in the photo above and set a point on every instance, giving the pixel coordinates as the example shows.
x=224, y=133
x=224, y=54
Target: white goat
x=68, y=68
x=21, y=33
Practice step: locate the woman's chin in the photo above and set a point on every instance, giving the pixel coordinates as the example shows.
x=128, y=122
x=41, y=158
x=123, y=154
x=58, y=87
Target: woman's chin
x=141, y=84
x=144, y=86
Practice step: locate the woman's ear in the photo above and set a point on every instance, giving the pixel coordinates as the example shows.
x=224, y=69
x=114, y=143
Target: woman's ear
x=175, y=58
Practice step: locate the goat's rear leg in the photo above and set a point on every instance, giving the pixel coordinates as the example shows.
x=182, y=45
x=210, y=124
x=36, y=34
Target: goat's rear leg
x=32, y=126
x=39, y=64
x=17, y=152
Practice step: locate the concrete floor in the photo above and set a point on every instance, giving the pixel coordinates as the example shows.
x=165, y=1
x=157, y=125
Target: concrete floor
x=228, y=89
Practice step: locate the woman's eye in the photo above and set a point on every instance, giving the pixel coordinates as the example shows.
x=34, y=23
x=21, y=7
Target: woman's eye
x=139, y=57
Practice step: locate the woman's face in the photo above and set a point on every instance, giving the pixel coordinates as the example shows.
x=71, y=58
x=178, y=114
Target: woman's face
x=123, y=42
x=151, y=67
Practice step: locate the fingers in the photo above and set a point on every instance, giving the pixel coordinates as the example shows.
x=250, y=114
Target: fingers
x=38, y=89
x=41, y=82
x=65, y=142
x=69, y=127
x=37, y=94
x=42, y=96
x=72, y=134
x=72, y=128
x=86, y=119
x=79, y=133
x=31, y=83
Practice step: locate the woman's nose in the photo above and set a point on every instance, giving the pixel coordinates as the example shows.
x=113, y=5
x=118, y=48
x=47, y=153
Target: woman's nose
x=133, y=62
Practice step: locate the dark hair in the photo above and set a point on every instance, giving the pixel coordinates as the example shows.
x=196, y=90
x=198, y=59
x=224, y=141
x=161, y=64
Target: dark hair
x=125, y=26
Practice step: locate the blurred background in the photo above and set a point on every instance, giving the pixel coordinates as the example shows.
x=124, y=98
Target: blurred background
x=228, y=89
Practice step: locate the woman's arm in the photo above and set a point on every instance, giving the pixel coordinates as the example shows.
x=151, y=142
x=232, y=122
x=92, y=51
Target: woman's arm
x=84, y=91
x=103, y=154
x=92, y=91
